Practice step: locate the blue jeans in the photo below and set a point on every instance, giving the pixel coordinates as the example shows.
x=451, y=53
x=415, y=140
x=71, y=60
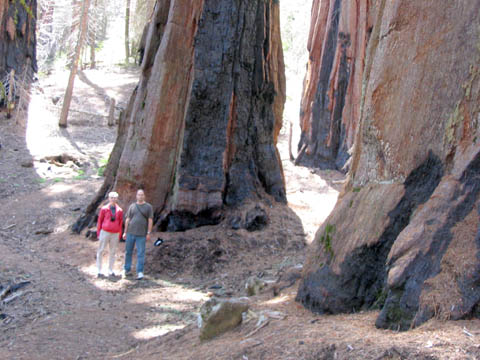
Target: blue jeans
x=131, y=241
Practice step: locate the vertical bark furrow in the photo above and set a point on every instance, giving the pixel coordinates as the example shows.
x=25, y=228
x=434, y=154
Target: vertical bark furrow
x=332, y=86
x=403, y=236
x=207, y=112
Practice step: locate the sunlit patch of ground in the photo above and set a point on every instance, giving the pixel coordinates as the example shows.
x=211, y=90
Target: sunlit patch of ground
x=311, y=193
x=156, y=331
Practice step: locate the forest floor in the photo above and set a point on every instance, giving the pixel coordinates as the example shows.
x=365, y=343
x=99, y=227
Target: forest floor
x=63, y=311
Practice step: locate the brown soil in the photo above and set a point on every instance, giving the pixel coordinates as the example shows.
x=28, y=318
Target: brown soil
x=65, y=312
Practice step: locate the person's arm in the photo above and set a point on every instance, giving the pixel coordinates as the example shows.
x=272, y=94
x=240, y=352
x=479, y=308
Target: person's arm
x=150, y=226
x=127, y=220
x=99, y=222
x=126, y=227
x=150, y=221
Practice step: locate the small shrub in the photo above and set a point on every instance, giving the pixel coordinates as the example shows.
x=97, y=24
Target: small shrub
x=326, y=239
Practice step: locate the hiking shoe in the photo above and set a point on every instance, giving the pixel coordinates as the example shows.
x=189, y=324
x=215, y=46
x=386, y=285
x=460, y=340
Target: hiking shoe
x=100, y=276
x=126, y=273
x=111, y=273
x=140, y=276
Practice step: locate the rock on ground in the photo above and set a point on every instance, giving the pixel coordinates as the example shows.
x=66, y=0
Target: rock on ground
x=218, y=316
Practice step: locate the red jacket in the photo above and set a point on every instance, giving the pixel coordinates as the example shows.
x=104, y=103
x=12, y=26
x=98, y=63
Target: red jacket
x=105, y=220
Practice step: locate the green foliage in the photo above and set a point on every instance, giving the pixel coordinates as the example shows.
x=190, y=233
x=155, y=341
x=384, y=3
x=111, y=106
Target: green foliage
x=101, y=170
x=57, y=180
x=380, y=298
x=99, y=45
x=356, y=189
x=80, y=175
x=40, y=180
x=396, y=315
x=27, y=8
x=326, y=239
x=3, y=91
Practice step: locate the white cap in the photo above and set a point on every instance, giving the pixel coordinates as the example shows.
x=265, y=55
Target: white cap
x=113, y=194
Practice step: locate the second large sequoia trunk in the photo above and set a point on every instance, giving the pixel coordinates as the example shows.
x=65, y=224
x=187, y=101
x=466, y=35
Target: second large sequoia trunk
x=404, y=236
x=329, y=114
x=203, y=122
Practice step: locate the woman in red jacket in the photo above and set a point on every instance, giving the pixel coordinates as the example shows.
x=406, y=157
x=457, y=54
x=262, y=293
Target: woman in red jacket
x=109, y=230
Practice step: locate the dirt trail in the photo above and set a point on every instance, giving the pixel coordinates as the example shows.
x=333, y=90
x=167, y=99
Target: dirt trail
x=65, y=312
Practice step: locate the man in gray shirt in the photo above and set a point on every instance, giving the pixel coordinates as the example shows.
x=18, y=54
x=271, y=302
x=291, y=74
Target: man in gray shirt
x=138, y=226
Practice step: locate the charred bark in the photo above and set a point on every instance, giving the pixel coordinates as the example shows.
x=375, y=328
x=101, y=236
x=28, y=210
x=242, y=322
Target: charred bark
x=202, y=132
x=404, y=236
x=332, y=88
x=17, y=37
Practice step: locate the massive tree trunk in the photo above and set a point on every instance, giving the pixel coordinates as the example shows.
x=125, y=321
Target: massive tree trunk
x=405, y=233
x=332, y=88
x=17, y=36
x=208, y=109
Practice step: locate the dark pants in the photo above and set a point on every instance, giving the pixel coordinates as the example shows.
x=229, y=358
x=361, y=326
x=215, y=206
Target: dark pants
x=131, y=242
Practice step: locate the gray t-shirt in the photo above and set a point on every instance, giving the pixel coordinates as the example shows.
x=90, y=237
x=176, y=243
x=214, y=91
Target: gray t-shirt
x=138, y=224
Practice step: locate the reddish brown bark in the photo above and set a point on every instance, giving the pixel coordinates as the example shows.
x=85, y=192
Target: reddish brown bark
x=332, y=88
x=207, y=112
x=405, y=232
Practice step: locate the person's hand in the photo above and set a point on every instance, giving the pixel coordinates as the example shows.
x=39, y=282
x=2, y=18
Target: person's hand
x=148, y=237
x=124, y=236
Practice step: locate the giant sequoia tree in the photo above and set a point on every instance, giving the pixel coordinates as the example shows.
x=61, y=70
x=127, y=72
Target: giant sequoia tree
x=17, y=36
x=200, y=130
x=404, y=236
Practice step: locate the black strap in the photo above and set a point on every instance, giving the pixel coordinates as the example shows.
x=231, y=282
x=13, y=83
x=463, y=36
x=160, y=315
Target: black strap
x=138, y=208
x=112, y=212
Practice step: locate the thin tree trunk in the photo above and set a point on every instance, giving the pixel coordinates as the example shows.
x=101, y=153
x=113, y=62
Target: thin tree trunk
x=290, y=135
x=76, y=12
x=81, y=38
x=111, y=113
x=93, y=40
x=127, y=32
x=10, y=100
x=92, y=55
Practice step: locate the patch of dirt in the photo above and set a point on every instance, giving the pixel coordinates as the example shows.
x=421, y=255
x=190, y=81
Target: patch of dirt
x=222, y=258
x=66, y=312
